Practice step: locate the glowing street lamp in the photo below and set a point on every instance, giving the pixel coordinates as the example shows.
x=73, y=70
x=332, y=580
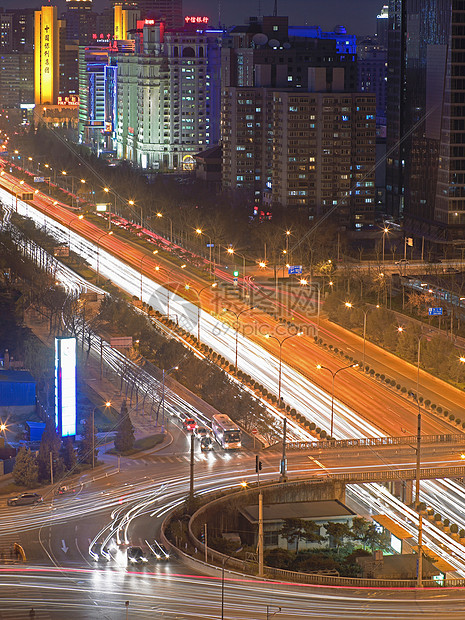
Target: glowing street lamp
x=189, y=287
x=281, y=342
x=333, y=375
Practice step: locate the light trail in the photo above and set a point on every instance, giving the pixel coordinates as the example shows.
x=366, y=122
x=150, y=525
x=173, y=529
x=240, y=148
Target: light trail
x=297, y=390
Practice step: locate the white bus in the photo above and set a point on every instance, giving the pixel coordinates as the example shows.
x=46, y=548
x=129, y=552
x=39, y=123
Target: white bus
x=226, y=432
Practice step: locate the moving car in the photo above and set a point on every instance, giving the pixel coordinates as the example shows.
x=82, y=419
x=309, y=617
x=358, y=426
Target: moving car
x=206, y=444
x=25, y=499
x=136, y=556
x=201, y=431
x=158, y=550
x=189, y=424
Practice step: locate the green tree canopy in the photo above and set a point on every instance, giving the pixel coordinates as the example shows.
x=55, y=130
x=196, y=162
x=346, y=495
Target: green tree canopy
x=295, y=530
x=25, y=471
x=124, y=440
x=337, y=532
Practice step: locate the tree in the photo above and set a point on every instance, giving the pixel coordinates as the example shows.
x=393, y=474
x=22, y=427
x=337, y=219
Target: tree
x=368, y=534
x=87, y=443
x=68, y=454
x=50, y=443
x=295, y=530
x=337, y=532
x=25, y=471
x=124, y=440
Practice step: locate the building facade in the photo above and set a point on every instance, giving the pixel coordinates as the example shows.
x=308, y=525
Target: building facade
x=164, y=98
x=46, y=55
x=425, y=174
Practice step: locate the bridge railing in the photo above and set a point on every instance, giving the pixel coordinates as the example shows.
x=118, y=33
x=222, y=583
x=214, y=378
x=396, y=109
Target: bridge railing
x=370, y=442
x=429, y=473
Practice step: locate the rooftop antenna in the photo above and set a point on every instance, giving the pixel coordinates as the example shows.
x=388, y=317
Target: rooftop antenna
x=219, y=14
x=275, y=13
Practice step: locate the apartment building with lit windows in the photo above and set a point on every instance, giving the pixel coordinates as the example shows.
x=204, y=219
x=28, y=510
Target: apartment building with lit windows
x=164, y=105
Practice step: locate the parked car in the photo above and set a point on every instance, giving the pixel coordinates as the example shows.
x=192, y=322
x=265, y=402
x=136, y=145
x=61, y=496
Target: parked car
x=206, y=444
x=25, y=499
x=201, y=431
x=136, y=555
x=189, y=424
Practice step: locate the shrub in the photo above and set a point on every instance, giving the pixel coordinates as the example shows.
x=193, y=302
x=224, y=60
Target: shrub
x=462, y=533
x=336, y=350
x=430, y=512
x=421, y=506
x=372, y=372
x=317, y=430
x=446, y=413
x=458, y=421
x=377, y=375
x=323, y=434
x=382, y=377
x=421, y=399
x=393, y=382
x=454, y=528
x=398, y=386
x=427, y=402
x=451, y=417
x=439, y=409
x=437, y=517
x=293, y=412
x=312, y=426
x=433, y=406
x=446, y=522
x=403, y=389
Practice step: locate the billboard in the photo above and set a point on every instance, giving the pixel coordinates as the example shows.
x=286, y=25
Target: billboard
x=65, y=386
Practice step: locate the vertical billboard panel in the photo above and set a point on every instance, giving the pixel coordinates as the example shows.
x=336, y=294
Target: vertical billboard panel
x=65, y=386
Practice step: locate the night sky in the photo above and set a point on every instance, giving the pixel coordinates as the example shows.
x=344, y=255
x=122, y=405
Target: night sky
x=358, y=16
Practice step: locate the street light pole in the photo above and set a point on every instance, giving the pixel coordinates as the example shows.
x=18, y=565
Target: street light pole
x=333, y=375
x=237, y=315
x=199, y=293
x=281, y=342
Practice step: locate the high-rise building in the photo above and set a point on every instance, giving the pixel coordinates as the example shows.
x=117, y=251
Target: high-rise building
x=16, y=79
x=46, y=55
x=80, y=21
x=17, y=31
x=304, y=150
x=295, y=132
x=169, y=11
x=425, y=174
x=164, y=98
x=382, y=23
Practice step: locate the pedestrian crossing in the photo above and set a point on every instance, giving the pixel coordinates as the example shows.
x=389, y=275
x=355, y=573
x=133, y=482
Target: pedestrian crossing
x=185, y=458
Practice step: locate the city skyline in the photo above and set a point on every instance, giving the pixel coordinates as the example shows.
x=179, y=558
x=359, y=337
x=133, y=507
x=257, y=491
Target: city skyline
x=358, y=17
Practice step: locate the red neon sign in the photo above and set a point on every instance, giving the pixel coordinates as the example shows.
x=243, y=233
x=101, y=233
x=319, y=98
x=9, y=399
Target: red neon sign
x=149, y=22
x=191, y=19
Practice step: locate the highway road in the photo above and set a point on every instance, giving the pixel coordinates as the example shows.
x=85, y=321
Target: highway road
x=297, y=391
x=61, y=579
x=378, y=411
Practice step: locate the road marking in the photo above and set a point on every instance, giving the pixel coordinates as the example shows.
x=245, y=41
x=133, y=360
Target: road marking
x=319, y=464
x=64, y=548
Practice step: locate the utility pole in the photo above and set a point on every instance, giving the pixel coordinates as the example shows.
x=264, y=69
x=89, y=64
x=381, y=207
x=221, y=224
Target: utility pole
x=206, y=543
x=191, y=482
x=51, y=467
x=260, y=534
x=283, y=468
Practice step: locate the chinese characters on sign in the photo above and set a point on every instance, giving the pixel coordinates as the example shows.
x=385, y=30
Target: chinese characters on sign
x=196, y=20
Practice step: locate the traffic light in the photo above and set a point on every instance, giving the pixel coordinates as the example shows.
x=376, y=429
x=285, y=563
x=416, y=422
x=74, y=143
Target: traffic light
x=258, y=464
x=236, y=274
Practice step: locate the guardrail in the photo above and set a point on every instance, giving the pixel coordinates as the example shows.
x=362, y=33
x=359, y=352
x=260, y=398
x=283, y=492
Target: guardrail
x=429, y=473
x=371, y=442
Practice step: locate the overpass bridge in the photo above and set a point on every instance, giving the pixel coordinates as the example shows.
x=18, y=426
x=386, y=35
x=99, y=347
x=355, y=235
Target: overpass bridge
x=449, y=441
